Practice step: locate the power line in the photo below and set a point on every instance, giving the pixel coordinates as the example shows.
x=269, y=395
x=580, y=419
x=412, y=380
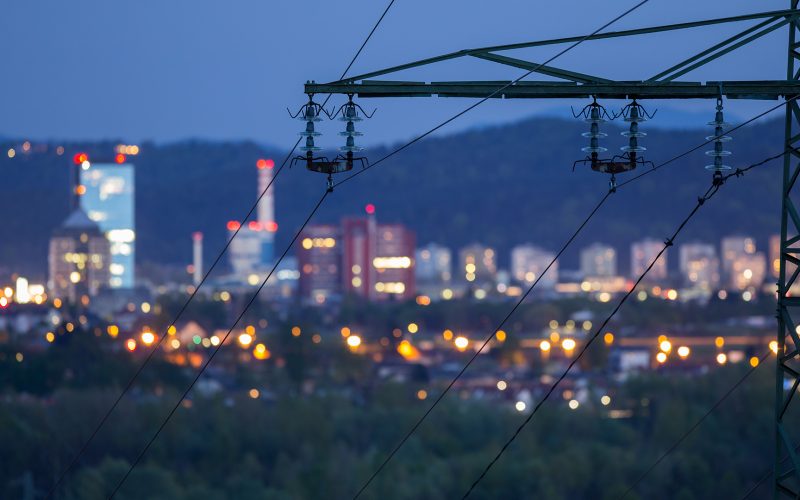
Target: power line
x=710, y=140
x=219, y=346
x=712, y=190
x=767, y=474
x=483, y=345
x=695, y=425
x=575, y=234
x=533, y=285
x=484, y=99
x=177, y=317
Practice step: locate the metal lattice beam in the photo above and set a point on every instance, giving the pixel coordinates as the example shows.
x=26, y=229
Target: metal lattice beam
x=786, y=475
x=550, y=90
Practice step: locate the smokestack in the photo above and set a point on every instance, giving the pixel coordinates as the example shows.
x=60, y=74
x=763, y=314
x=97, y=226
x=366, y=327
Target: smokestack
x=197, y=257
x=266, y=206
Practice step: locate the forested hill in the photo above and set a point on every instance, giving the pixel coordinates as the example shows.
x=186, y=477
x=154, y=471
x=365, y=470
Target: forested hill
x=502, y=186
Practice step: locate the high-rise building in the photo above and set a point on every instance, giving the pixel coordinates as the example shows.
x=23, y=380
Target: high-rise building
x=78, y=259
x=107, y=197
x=359, y=248
x=598, y=260
x=477, y=265
x=433, y=265
x=394, y=262
x=743, y=267
x=319, y=258
x=733, y=247
x=642, y=255
x=699, y=266
x=528, y=262
x=252, y=251
x=378, y=259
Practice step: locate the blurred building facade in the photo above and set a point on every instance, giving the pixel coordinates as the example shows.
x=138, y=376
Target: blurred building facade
x=319, y=261
x=79, y=258
x=744, y=268
x=477, y=265
x=699, y=267
x=107, y=197
x=598, y=260
x=643, y=253
x=528, y=263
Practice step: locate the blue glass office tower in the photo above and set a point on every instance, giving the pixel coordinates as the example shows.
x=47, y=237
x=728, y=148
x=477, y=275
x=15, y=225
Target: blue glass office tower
x=109, y=201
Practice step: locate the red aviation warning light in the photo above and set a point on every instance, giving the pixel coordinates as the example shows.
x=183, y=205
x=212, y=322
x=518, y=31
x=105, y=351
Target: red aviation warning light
x=120, y=158
x=233, y=225
x=370, y=209
x=80, y=158
x=265, y=163
x=254, y=225
x=271, y=226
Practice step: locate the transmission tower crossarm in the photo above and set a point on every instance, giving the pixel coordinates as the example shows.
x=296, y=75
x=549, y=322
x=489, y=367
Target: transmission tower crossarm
x=769, y=89
x=771, y=16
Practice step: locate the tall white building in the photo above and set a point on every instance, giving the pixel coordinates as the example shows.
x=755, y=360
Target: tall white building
x=434, y=265
x=529, y=262
x=642, y=254
x=598, y=260
x=699, y=266
x=743, y=267
x=477, y=264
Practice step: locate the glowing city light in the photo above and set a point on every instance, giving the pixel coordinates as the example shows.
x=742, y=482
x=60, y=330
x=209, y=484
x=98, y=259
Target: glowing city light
x=261, y=352
x=573, y=404
x=683, y=351
x=245, y=339
x=461, y=343
x=422, y=394
x=148, y=338
x=665, y=346
x=412, y=328
x=502, y=385
x=608, y=338
x=568, y=344
x=408, y=351
x=263, y=163
x=520, y=406
x=130, y=345
x=773, y=346
x=605, y=400
x=353, y=341
x=661, y=357
x=722, y=358
x=544, y=346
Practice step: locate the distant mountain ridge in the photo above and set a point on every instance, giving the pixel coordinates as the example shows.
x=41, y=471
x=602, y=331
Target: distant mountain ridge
x=501, y=185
